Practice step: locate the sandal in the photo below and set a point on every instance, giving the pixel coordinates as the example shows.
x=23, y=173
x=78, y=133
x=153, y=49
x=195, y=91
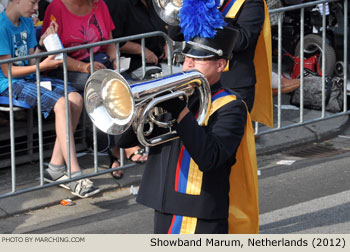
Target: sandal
x=142, y=152
x=115, y=174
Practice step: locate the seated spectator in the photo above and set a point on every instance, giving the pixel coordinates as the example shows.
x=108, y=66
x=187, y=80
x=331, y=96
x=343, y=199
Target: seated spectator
x=82, y=22
x=132, y=17
x=287, y=85
x=18, y=39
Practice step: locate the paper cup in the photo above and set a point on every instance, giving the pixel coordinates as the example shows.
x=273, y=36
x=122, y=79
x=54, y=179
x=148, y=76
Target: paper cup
x=52, y=42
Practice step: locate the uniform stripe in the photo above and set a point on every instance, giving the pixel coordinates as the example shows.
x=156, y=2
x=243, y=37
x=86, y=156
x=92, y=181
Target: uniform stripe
x=219, y=94
x=183, y=225
x=188, y=177
x=172, y=224
x=175, y=225
x=221, y=102
x=184, y=169
x=227, y=7
x=183, y=165
x=189, y=225
x=178, y=169
x=232, y=9
x=195, y=176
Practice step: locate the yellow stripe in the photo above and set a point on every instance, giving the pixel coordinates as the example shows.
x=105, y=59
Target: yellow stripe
x=194, y=181
x=195, y=176
x=234, y=9
x=188, y=225
x=218, y=103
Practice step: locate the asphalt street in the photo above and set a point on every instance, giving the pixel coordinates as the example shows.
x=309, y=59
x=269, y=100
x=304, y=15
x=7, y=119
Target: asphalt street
x=298, y=193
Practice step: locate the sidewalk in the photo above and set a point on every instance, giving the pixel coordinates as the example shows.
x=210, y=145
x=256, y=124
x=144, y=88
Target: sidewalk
x=265, y=144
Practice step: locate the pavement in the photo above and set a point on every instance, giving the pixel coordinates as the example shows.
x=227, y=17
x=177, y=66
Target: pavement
x=28, y=175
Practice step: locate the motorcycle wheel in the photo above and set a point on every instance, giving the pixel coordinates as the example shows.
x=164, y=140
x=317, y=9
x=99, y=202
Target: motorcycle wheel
x=312, y=46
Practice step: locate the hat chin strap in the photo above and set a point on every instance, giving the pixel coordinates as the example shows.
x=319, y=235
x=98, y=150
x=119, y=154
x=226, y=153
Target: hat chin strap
x=218, y=52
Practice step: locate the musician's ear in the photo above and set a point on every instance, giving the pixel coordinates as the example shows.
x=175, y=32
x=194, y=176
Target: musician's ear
x=220, y=64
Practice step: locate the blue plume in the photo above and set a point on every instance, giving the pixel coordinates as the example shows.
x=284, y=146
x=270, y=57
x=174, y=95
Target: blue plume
x=200, y=18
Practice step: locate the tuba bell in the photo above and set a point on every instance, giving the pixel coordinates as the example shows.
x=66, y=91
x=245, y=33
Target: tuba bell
x=114, y=105
x=168, y=10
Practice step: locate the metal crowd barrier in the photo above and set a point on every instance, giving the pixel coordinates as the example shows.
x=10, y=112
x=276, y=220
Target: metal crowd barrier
x=260, y=130
x=12, y=108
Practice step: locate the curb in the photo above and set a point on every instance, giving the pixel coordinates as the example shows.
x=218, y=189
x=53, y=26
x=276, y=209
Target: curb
x=300, y=135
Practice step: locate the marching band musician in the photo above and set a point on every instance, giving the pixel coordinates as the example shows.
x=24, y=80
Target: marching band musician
x=206, y=180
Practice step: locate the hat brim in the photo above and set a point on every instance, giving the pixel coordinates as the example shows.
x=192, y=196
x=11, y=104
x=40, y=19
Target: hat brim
x=195, y=53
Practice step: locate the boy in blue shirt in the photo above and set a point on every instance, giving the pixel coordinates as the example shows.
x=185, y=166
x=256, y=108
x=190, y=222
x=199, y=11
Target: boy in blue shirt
x=18, y=39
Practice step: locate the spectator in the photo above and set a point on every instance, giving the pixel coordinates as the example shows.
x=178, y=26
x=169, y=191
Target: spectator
x=287, y=85
x=82, y=22
x=132, y=17
x=18, y=39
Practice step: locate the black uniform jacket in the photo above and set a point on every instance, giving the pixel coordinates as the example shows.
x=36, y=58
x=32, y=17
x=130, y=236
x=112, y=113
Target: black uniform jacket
x=213, y=148
x=248, y=22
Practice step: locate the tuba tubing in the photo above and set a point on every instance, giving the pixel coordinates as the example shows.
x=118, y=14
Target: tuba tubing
x=166, y=137
x=107, y=93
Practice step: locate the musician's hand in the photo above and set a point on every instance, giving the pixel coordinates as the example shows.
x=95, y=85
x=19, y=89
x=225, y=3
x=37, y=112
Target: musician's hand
x=174, y=106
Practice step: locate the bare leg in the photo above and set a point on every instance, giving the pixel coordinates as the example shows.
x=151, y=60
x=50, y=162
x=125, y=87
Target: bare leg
x=59, y=155
x=116, y=154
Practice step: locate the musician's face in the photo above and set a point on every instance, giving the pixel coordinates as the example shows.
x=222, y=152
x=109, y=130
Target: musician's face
x=210, y=67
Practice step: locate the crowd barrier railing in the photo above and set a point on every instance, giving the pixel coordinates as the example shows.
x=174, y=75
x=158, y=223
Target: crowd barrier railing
x=323, y=4
x=12, y=107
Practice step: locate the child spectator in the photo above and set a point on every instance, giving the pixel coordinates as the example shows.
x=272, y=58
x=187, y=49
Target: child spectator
x=18, y=39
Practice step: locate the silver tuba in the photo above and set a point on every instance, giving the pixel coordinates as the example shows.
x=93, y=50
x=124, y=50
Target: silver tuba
x=114, y=105
x=168, y=10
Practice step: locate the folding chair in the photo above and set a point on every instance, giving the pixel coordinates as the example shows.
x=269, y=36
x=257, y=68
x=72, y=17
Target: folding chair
x=18, y=106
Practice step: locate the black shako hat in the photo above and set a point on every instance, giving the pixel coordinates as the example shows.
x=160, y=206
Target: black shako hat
x=220, y=46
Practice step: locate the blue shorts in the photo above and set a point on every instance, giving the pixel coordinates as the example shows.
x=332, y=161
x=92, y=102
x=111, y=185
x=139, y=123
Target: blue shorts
x=25, y=90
